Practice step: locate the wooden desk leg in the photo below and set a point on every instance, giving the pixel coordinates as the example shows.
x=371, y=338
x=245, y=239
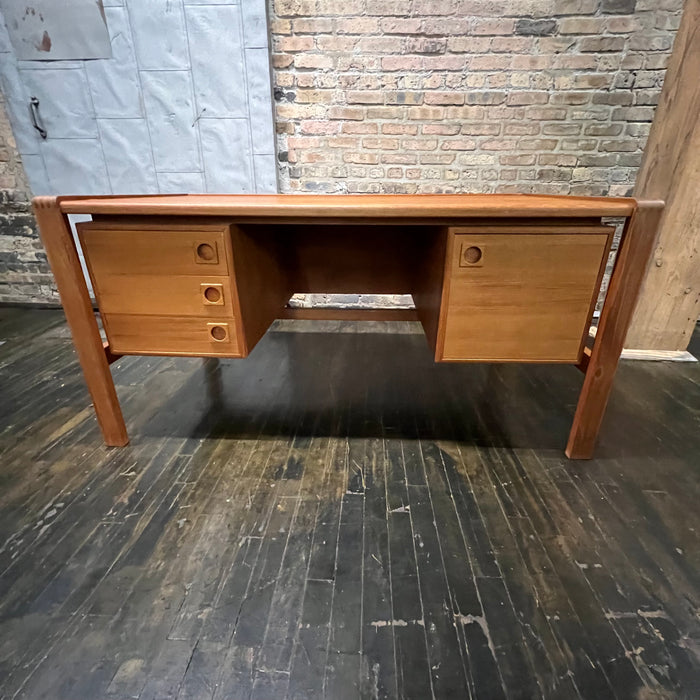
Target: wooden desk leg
x=65, y=264
x=625, y=283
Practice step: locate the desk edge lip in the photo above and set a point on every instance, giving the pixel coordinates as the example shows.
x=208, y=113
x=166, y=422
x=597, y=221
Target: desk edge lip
x=375, y=207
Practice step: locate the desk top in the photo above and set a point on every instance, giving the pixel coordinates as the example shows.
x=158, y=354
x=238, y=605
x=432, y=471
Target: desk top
x=382, y=206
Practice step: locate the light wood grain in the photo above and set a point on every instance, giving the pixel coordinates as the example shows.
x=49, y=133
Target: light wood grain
x=160, y=249
x=162, y=295
x=63, y=257
x=262, y=281
x=131, y=334
x=669, y=303
x=527, y=299
x=632, y=258
x=354, y=206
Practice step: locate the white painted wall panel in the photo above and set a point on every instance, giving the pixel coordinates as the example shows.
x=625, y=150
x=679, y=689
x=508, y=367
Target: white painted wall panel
x=227, y=157
x=159, y=33
x=254, y=23
x=215, y=36
x=79, y=169
x=149, y=119
x=114, y=83
x=265, y=173
x=126, y=145
x=17, y=105
x=171, y=119
x=64, y=102
x=36, y=174
x=181, y=183
x=260, y=100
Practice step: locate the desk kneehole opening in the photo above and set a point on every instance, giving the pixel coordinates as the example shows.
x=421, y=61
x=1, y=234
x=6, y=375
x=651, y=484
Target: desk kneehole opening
x=218, y=332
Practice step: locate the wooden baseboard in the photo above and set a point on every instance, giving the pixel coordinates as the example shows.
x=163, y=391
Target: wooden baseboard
x=655, y=355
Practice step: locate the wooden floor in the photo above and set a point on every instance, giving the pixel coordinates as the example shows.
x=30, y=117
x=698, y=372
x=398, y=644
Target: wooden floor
x=338, y=517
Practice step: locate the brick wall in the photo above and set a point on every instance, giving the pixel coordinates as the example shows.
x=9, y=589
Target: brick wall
x=545, y=96
x=24, y=273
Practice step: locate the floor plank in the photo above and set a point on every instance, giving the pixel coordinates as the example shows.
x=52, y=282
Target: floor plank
x=338, y=517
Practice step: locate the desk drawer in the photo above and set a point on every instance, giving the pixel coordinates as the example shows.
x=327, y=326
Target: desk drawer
x=158, y=250
x=520, y=297
x=165, y=295
x=171, y=335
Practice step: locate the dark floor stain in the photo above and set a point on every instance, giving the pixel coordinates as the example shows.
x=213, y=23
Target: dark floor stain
x=338, y=517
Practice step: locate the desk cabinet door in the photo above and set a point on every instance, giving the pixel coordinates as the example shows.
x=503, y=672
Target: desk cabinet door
x=520, y=297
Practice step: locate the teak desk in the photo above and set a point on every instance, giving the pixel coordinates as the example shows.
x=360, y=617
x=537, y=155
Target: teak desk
x=494, y=278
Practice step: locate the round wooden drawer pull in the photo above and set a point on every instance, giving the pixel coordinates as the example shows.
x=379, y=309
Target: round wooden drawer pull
x=472, y=255
x=205, y=251
x=218, y=332
x=212, y=294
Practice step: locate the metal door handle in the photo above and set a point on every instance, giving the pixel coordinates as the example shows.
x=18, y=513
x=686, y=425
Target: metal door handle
x=36, y=119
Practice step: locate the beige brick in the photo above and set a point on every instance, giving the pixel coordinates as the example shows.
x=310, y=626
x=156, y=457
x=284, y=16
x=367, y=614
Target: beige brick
x=361, y=158
x=312, y=25
x=582, y=25
x=360, y=128
x=399, y=158
x=279, y=60
x=365, y=97
x=312, y=60
x=401, y=62
x=384, y=144
x=469, y=44
x=319, y=127
x=497, y=145
x=434, y=7
x=385, y=113
x=419, y=144
x=480, y=129
x=443, y=62
x=458, y=145
x=393, y=25
x=521, y=129
x=493, y=27
x=333, y=45
x=441, y=129
x=599, y=44
x=351, y=113
x=295, y=43
x=381, y=44
x=537, y=144
x=392, y=128
x=437, y=158
x=489, y=62
x=425, y=113
x=358, y=25
x=443, y=98
x=527, y=98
